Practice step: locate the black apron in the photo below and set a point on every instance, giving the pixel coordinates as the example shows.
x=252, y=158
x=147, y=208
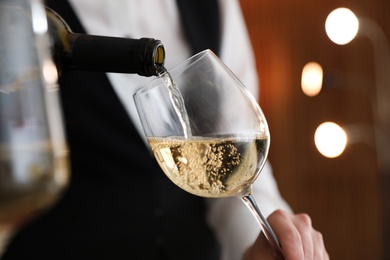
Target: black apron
x=119, y=204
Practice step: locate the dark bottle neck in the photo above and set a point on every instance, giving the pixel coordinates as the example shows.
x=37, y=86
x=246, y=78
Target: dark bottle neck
x=111, y=54
x=72, y=51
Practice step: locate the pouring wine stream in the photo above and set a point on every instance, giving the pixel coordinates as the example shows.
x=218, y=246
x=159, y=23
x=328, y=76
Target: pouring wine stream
x=177, y=100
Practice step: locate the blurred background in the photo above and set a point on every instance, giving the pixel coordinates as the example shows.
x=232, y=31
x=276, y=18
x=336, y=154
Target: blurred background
x=347, y=194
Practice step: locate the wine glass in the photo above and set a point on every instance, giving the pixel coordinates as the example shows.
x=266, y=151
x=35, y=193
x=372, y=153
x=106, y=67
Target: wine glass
x=33, y=152
x=206, y=131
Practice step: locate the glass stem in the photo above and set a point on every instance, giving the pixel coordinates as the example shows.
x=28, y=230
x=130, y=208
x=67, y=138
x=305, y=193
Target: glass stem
x=250, y=202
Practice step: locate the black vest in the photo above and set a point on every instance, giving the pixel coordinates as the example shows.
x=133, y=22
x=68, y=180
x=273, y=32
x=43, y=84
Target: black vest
x=119, y=204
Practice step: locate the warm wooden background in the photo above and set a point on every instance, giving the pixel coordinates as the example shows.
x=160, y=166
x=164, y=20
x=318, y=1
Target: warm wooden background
x=344, y=196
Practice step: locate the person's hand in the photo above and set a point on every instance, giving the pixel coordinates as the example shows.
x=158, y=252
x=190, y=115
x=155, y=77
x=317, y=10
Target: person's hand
x=299, y=240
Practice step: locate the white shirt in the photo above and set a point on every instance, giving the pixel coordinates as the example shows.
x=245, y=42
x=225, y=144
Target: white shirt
x=232, y=222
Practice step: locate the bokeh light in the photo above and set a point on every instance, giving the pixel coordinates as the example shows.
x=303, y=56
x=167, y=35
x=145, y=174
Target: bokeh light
x=341, y=26
x=311, y=81
x=330, y=139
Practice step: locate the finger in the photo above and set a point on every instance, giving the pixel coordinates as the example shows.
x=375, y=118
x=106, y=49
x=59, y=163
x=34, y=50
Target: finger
x=312, y=240
x=287, y=234
x=303, y=224
x=319, y=246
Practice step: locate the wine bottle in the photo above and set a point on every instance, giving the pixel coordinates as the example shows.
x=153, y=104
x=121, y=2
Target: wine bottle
x=74, y=51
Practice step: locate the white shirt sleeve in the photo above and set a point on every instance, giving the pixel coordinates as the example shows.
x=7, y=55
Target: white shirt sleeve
x=234, y=225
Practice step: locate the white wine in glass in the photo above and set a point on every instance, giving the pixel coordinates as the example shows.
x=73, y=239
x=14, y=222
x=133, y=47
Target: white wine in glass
x=207, y=132
x=33, y=151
